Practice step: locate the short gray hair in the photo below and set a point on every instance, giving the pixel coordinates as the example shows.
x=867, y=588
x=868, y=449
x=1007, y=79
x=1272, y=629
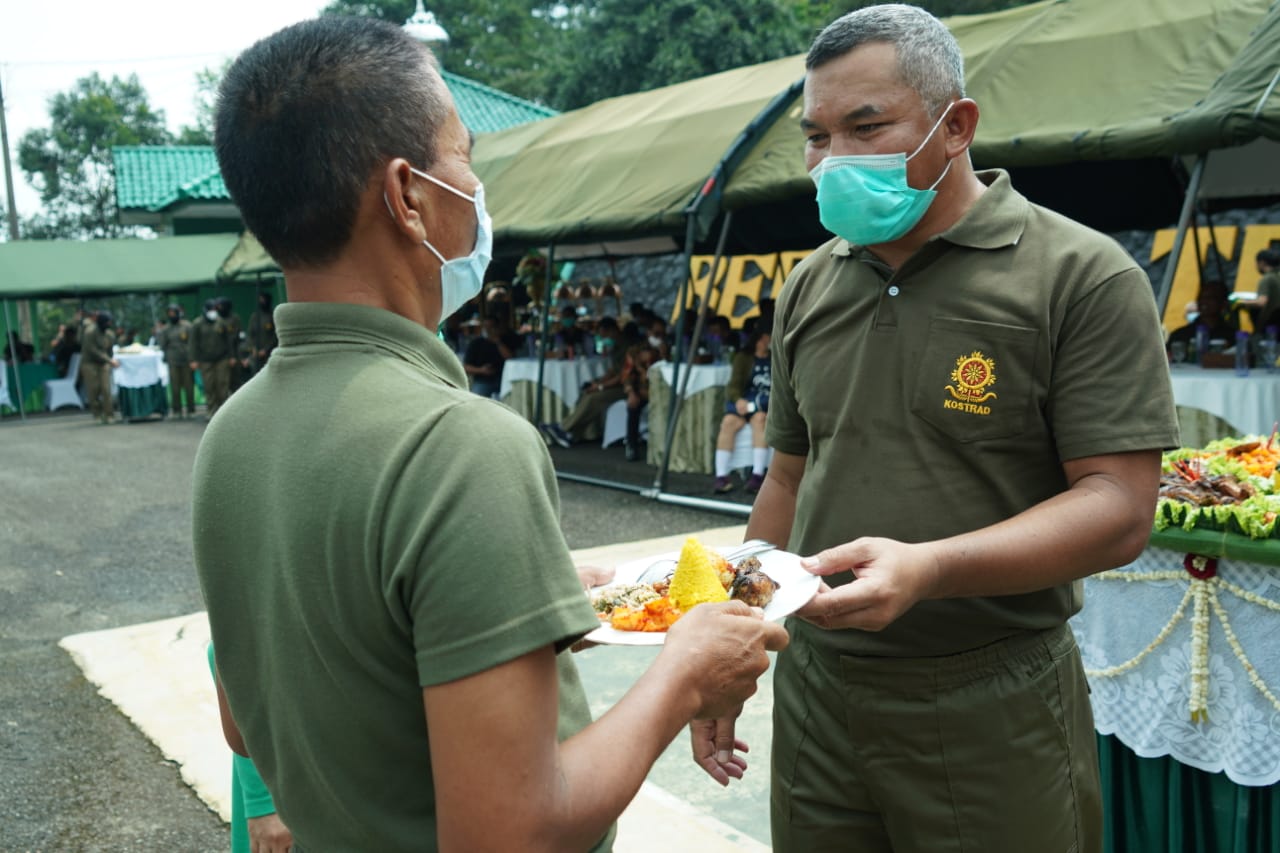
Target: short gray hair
x=929, y=59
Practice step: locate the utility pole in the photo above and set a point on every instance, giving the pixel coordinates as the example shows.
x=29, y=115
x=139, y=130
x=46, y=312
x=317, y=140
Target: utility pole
x=11, y=210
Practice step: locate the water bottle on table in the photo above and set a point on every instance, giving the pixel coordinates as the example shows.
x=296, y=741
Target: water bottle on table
x=1242, y=353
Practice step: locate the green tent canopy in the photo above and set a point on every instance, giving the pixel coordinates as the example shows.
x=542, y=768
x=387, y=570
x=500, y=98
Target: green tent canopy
x=1106, y=93
x=53, y=269
x=1065, y=81
x=1058, y=82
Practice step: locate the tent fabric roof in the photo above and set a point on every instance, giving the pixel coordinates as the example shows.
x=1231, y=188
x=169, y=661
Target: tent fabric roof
x=70, y=268
x=625, y=166
x=1058, y=81
x=1063, y=81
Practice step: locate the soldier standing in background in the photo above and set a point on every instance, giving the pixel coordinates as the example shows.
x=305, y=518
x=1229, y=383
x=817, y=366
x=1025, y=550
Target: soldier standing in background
x=239, y=360
x=96, y=360
x=262, y=333
x=174, y=340
x=212, y=353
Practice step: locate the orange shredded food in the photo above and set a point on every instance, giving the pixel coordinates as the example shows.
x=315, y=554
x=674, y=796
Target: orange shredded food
x=657, y=615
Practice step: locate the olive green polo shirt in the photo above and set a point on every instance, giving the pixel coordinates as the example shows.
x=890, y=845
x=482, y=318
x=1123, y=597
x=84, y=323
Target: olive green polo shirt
x=364, y=526
x=944, y=397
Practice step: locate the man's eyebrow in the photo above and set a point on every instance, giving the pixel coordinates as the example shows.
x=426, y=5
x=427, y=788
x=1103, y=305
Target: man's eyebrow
x=851, y=117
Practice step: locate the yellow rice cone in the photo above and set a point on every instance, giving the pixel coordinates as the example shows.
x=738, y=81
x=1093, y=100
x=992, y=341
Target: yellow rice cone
x=696, y=580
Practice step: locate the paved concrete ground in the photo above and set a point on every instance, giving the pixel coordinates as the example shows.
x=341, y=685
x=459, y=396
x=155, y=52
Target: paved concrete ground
x=94, y=537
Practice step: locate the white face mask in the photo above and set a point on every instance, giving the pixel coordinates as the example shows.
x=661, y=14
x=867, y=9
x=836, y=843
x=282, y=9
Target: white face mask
x=211, y=315
x=655, y=341
x=462, y=278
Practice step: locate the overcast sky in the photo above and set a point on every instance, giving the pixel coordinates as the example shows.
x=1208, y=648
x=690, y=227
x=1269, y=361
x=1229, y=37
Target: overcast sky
x=46, y=45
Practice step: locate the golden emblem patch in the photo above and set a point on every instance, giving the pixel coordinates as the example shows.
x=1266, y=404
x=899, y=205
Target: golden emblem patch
x=973, y=375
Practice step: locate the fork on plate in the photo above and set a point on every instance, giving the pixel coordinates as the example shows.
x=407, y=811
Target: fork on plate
x=667, y=566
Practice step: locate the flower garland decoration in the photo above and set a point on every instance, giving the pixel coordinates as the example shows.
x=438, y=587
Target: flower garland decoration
x=1202, y=592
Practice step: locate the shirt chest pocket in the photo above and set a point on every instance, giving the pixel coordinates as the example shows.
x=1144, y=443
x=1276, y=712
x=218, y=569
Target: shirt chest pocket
x=975, y=379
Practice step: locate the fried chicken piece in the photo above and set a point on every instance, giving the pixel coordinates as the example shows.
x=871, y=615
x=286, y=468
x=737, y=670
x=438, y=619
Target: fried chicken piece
x=753, y=587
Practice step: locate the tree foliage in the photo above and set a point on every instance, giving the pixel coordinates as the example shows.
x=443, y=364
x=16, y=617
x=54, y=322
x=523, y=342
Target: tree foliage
x=511, y=45
x=567, y=55
x=201, y=133
x=69, y=162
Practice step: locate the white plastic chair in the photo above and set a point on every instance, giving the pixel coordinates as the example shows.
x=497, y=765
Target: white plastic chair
x=615, y=424
x=742, y=450
x=62, y=392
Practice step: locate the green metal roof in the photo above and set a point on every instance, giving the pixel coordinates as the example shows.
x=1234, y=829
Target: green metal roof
x=484, y=109
x=151, y=177
x=155, y=177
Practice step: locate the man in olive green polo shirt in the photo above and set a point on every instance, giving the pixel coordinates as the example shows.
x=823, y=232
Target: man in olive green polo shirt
x=388, y=589
x=968, y=405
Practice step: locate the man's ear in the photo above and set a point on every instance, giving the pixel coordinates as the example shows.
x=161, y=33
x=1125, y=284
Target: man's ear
x=403, y=205
x=961, y=125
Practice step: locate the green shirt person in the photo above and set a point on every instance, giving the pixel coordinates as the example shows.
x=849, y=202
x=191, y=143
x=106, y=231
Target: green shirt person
x=969, y=399
x=388, y=590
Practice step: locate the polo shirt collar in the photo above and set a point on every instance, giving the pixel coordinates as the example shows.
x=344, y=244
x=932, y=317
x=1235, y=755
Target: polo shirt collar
x=996, y=220
x=302, y=323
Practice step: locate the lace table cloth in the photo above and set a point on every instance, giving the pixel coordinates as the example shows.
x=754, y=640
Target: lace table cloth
x=1188, y=667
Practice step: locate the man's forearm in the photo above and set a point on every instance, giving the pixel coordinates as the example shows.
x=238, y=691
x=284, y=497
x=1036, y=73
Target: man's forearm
x=647, y=719
x=772, y=513
x=1095, y=525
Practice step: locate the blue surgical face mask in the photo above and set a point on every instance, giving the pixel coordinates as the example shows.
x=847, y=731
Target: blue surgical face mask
x=865, y=198
x=461, y=278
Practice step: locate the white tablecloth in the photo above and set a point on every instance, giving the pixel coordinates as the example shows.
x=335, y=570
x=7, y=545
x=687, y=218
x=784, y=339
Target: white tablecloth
x=1250, y=404
x=564, y=377
x=140, y=369
x=1147, y=706
x=5, y=399
x=701, y=376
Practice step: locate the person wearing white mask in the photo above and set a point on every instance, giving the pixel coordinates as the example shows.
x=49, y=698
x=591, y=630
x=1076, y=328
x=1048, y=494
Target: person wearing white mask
x=388, y=589
x=968, y=402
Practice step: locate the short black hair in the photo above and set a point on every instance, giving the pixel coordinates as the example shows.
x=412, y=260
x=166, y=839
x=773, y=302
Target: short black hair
x=306, y=116
x=1270, y=257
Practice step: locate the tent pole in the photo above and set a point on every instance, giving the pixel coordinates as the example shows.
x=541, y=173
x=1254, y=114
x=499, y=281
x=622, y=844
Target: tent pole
x=548, y=293
x=1213, y=241
x=13, y=354
x=681, y=302
x=678, y=400
x=1188, y=205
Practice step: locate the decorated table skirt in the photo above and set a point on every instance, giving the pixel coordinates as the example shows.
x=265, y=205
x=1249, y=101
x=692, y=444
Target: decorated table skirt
x=1182, y=650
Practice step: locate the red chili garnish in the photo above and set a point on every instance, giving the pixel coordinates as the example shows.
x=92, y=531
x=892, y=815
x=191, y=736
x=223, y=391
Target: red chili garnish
x=1200, y=567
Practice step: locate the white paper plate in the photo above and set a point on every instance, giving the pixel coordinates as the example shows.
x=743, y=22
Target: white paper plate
x=796, y=587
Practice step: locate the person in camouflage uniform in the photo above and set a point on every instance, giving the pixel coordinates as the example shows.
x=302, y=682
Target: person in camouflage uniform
x=174, y=340
x=262, y=333
x=213, y=351
x=96, y=360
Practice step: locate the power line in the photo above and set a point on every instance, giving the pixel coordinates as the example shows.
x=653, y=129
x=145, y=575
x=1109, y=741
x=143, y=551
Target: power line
x=47, y=63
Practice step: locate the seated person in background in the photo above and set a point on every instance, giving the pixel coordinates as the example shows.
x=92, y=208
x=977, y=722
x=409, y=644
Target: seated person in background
x=722, y=340
x=568, y=339
x=483, y=358
x=635, y=382
x=1214, y=313
x=18, y=350
x=583, y=423
x=658, y=339
x=64, y=345
x=1264, y=308
x=746, y=404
